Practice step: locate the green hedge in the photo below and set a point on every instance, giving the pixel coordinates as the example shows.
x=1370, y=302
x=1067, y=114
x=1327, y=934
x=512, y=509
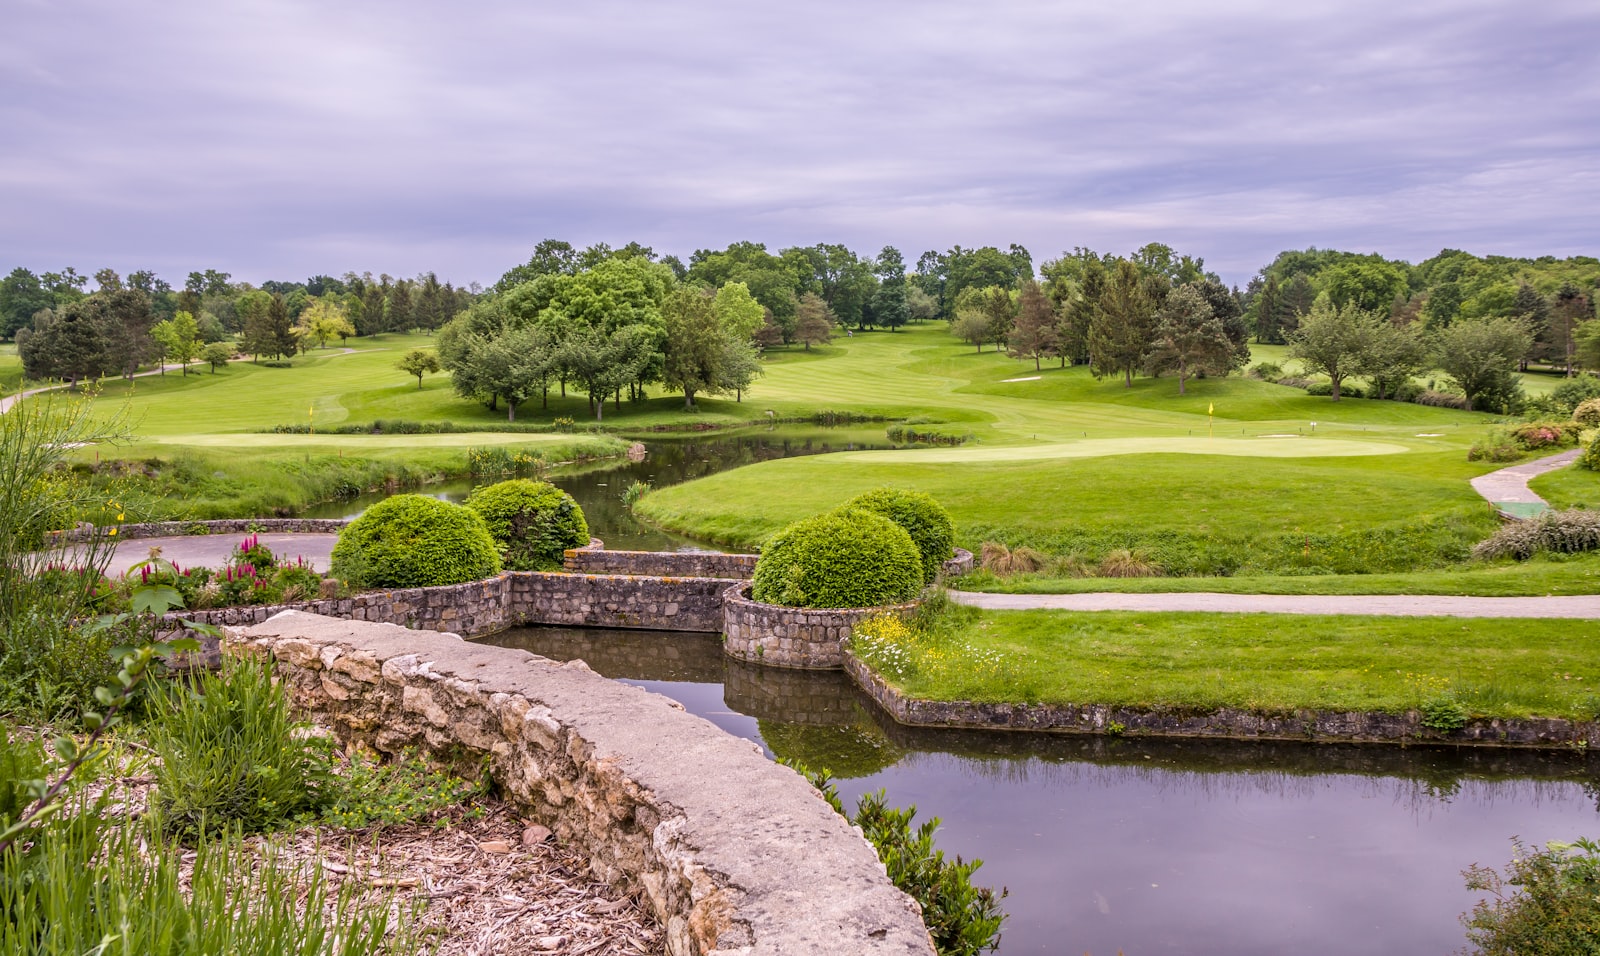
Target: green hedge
x=533, y=522
x=413, y=541
x=845, y=558
x=924, y=519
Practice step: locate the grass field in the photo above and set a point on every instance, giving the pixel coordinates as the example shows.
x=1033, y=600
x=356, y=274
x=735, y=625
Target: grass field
x=1069, y=464
x=10, y=369
x=1271, y=663
x=1569, y=487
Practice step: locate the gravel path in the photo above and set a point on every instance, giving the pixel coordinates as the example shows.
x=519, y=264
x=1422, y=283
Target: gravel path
x=1563, y=606
x=1509, y=486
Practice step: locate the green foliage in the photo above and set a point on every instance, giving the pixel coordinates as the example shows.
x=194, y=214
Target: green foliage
x=963, y=919
x=844, y=558
x=532, y=522
x=1590, y=459
x=636, y=489
x=1587, y=412
x=1497, y=445
x=48, y=668
x=1548, y=902
x=412, y=541
x=1538, y=435
x=87, y=887
x=1574, y=392
x=231, y=755
x=497, y=460
x=1443, y=714
x=909, y=434
x=369, y=792
x=924, y=519
x=1565, y=532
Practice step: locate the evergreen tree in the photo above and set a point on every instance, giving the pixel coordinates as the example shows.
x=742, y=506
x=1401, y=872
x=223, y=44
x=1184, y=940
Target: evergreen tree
x=1119, y=329
x=400, y=311
x=814, y=321
x=65, y=343
x=1034, y=334
x=889, y=307
x=284, y=340
x=1188, y=337
x=1265, y=308
x=21, y=297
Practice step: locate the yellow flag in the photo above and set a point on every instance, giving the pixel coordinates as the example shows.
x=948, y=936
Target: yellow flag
x=1211, y=409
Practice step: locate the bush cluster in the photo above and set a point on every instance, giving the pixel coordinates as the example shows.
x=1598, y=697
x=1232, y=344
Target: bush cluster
x=1565, y=532
x=923, y=518
x=844, y=558
x=1547, y=902
x=1536, y=435
x=532, y=522
x=413, y=541
x=1587, y=412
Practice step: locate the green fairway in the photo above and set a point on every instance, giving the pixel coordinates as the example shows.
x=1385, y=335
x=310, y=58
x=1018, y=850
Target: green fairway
x=10, y=369
x=1268, y=446
x=1262, y=662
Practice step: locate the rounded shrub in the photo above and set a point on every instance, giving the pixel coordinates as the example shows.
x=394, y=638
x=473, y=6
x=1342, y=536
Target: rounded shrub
x=845, y=558
x=533, y=522
x=1587, y=413
x=413, y=541
x=924, y=519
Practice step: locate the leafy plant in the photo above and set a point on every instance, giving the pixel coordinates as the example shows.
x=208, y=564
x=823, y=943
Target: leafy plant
x=634, y=491
x=1444, y=714
x=844, y=558
x=231, y=755
x=409, y=541
x=532, y=522
x=1552, y=908
x=1567, y=532
x=963, y=919
x=370, y=792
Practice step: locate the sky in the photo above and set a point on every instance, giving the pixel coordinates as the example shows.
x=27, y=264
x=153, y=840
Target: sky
x=285, y=139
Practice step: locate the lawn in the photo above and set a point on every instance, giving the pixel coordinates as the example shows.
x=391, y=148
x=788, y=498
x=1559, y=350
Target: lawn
x=1569, y=487
x=1262, y=662
x=1238, y=475
x=10, y=369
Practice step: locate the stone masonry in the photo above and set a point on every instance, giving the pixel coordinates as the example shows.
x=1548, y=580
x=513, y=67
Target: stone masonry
x=777, y=636
x=735, y=854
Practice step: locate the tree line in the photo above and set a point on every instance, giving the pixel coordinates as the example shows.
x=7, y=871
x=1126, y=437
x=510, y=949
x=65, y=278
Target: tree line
x=65, y=331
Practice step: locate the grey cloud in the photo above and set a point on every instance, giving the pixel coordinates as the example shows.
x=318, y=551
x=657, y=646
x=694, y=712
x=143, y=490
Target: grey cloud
x=278, y=139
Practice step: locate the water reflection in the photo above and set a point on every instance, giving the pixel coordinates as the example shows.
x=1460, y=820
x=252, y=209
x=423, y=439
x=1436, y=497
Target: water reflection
x=1144, y=845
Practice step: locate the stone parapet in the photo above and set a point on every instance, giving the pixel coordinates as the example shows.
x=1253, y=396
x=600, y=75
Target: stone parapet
x=735, y=854
x=777, y=636
x=689, y=564
x=601, y=600
x=958, y=565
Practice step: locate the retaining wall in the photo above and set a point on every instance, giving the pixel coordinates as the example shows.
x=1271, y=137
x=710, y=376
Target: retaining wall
x=692, y=564
x=735, y=854
x=776, y=636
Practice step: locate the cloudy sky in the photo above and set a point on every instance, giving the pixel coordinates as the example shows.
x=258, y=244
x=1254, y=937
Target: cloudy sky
x=276, y=139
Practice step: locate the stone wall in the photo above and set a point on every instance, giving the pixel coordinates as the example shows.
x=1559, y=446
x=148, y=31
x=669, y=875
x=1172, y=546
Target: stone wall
x=634, y=601
x=776, y=636
x=690, y=564
x=168, y=529
x=734, y=854
x=958, y=565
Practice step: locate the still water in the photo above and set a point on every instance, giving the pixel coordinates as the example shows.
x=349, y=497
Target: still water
x=1115, y=845
x=598, y=486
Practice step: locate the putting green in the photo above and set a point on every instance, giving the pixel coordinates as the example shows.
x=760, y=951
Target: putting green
x=1286, y=447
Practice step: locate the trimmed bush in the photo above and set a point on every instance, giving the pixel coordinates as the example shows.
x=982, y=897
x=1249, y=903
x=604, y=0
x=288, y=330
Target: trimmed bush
x=924, y=519
x=845, y=558
x=1536, y=435
x=1562, y=531
x=413, y=541
x=533, y=522
x=1587, y=413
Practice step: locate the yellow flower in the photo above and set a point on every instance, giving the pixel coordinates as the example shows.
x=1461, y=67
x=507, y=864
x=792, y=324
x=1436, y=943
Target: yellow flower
x=113, y=532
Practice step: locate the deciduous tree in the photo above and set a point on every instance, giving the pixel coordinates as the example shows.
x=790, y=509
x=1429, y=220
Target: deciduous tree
x=1034, y=334
x=1480, y=357
x=419, y=362
x=1332, y=340
x=179, y=338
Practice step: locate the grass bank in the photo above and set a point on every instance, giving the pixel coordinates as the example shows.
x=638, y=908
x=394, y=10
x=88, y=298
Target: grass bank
x=274, y=475
x=1262, y=662
x=1569, y=487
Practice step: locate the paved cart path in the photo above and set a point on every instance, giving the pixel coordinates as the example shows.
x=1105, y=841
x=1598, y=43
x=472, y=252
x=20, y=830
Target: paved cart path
x=212, y=550
x=1507, y=489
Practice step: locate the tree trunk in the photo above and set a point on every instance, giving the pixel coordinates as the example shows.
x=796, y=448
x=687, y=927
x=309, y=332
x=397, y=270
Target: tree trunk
x=1127, y=378
x=1036, y=361
x=1335, y=388
x=511, y=410
x=618, y=403
x=563, y=386
x=688, y=399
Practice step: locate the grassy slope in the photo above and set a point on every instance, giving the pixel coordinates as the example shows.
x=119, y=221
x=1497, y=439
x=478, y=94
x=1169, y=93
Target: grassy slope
x=204, y=429
x=1055, y=502
x=1276, y=663
x=1569, y=487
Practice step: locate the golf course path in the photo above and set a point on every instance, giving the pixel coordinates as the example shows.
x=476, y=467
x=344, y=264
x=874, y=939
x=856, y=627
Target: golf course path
x=212, y=550
x=1401, y=605
x=1507, y=489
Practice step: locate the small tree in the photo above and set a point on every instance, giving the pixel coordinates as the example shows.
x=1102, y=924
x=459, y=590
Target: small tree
x=419, y=362
x=1331, y=341
x=813, y=321
x=1393, y=354
x=324, y=319
x=217, y=354
x=1034, y=334
x=179, y=338
x=1188, y=337
x=1480, y=357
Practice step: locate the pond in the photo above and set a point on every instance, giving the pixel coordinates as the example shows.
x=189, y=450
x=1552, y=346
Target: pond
x=669, y=460
x=1145, y=846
